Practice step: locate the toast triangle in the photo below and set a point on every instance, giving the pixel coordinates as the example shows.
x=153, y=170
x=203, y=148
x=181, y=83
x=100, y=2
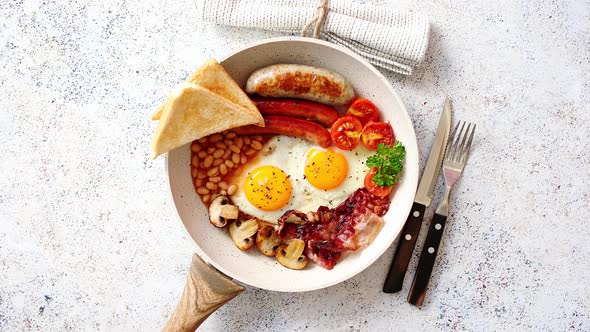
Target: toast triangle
x=211, y=75
x=194, y=112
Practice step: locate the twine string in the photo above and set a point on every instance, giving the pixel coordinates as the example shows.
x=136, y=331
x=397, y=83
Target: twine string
x=317, y=21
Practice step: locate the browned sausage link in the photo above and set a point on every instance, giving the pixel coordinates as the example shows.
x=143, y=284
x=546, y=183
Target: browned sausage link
x=298, y=108
x=302, y=82
x=285, y=125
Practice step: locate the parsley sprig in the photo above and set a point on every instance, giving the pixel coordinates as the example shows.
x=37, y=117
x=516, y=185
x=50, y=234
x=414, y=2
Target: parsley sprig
x=389, y=162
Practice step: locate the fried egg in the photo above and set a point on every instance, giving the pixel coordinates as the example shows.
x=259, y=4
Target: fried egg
x=294, y=174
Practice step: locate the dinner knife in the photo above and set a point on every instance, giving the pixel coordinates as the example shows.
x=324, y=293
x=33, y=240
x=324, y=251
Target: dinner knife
x=409, y=235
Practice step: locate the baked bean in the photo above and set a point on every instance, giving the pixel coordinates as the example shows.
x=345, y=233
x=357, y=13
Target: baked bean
x=223, y=169
x=211, y=149
x=243, y=159
x=223, y=192
x=196, y=147
x=202, y=191
x=246, y=140
x=220, y=145
x=208, y=161
x=206, y=198
x=194, y=172
x=214, y=171
x=215, y=179
x=250, y=152
x=218, y=153
x=202, y=139
x=211, y=186
x=218, y=162
x=228, y=142
x=239, y=142
x=223, y=185
x=256, y=145
x=257, y=138
x=195, y=161
x=230, y=135
x=199, y=182
x=232, y=189
x=234, y=148
x=229, y=163
x=215, y=138
x=202, y=154
x=235, y=157
x=202, y=174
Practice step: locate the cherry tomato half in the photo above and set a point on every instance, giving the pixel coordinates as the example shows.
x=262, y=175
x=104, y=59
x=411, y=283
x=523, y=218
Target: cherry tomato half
x=377, y=132
x=364, y=110
x=346, y=132
x=372, y=187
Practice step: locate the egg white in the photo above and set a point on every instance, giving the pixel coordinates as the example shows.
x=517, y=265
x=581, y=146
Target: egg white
x=289, y=154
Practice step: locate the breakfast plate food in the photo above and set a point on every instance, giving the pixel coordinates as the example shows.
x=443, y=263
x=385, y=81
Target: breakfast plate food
x=277, y=187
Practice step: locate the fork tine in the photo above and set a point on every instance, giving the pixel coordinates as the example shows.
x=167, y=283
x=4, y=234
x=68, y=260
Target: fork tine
x=465, y=153
x=455, y=141
x=461, y=146
x=450, y=142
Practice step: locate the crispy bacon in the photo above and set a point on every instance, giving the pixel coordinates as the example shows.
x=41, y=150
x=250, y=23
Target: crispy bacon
x=324, y=253
x=365, y=230
x=289, y=224
x=351, y=225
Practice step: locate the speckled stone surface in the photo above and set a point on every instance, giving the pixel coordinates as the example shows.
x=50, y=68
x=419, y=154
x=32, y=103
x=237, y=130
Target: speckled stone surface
x=88, y=240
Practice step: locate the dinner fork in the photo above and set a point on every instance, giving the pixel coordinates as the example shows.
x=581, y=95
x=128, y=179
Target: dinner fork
x=453, y=165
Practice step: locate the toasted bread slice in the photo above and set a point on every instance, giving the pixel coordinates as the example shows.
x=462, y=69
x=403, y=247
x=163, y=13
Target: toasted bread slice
x=194, y=112
x=211, y=75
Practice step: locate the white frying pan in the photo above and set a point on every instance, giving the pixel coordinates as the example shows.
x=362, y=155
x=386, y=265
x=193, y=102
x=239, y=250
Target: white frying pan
x=207, y=289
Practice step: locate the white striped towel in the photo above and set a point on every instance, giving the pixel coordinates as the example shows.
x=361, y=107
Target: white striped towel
x=386, y=37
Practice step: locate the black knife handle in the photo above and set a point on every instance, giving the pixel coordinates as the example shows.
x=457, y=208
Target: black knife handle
x=427, y=258
x=405, y=248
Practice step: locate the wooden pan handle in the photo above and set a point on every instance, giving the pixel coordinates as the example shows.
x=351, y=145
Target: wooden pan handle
x=206, y=290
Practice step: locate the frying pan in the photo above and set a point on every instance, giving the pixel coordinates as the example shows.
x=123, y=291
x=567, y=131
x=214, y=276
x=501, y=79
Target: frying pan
x=217, y=260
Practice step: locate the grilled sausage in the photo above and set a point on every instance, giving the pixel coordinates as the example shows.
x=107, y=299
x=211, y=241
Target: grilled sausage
x=285, y=125
x=297, y=108
x=300, y=81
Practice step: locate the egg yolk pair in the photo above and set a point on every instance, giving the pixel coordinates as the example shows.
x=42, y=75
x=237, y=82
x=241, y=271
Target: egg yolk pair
x=269, y=188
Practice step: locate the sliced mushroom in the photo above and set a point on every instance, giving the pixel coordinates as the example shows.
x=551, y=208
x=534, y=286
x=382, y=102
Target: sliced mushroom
x=265, y=223
x=291, y=255
x=220, y=211
x=242, y=232
x=294, y=217
x=267, y=239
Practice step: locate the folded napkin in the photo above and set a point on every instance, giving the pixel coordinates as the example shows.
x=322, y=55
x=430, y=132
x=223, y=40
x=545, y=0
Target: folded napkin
x=388, y=38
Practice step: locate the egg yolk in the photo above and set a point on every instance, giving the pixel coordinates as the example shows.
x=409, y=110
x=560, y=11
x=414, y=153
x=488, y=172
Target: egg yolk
x=267, y=188
x=325, y=169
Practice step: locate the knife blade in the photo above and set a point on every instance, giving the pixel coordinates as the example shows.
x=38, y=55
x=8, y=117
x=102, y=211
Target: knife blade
x=409, y=235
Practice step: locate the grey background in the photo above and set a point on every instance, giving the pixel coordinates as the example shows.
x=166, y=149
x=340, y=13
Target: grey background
x=88, y=240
